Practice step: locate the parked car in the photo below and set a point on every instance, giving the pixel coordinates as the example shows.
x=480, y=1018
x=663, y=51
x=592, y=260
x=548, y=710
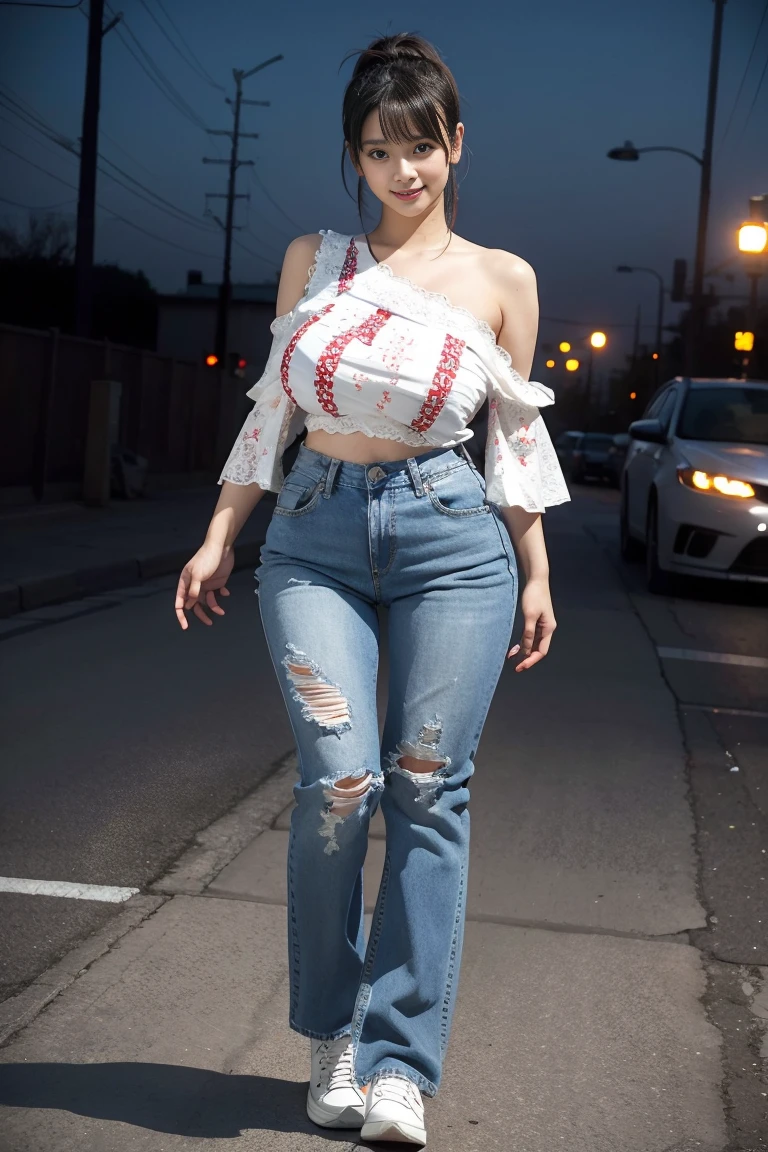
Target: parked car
x=589, y=457
x=564, y=444
x=617, y=454
x=694, y=490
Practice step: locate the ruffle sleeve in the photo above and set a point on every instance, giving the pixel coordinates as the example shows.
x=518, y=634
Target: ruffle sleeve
x=521, y=465
x=273, y=423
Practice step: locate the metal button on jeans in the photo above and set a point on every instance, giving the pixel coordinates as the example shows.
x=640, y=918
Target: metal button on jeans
x=376, y=473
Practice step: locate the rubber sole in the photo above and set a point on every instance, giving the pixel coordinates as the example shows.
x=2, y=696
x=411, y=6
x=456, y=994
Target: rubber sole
x=394, y=1133
x=329, y=1118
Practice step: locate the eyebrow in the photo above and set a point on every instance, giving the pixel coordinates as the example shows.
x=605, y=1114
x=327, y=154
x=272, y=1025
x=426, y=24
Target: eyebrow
x=413, y=141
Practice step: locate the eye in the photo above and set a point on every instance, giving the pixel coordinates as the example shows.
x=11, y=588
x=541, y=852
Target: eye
x=429, y=146
x=373, y=155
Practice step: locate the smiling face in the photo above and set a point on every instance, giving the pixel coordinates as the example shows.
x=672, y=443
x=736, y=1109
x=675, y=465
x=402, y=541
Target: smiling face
x=408, y=176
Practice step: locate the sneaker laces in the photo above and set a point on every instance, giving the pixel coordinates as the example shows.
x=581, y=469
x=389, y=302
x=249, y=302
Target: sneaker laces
x=398, y=1087
x=335, y=1060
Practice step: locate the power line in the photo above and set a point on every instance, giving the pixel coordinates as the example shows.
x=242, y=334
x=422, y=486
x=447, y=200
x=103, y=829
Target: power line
x=754, y=99
x=174, y=45
x=744, y=76
x=16, y=4
x=169, y=91
x=125, y=220
x=37, y=207
x=276, y=205
x=192, y=54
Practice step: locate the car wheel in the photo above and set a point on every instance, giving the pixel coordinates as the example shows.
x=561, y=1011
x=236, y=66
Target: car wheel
x=659, y=582
x=631, y=549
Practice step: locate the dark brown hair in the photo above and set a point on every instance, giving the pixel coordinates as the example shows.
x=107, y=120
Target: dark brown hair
x=404, y=78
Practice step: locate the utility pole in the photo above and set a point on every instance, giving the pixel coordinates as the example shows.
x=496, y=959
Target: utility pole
x=696, y=326
x=228, y=225
x=89, y=154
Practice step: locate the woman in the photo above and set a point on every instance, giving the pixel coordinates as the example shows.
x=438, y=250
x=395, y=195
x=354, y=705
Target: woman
x=385, y=347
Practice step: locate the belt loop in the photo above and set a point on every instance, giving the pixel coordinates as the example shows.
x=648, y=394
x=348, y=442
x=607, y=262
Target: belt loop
x=413, y=468
x=466, y=453
x=330, y=476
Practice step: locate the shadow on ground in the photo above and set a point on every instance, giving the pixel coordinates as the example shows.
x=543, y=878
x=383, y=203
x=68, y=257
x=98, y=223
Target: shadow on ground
x=163, y=1098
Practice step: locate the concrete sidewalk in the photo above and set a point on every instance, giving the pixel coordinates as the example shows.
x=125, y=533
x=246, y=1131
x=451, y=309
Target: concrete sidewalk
x=580, y=1023
x=51, y=554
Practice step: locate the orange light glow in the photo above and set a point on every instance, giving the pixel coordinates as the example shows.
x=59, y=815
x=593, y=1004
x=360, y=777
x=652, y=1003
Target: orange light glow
x=565, y=346
x=211, y=361
x=598, y=339
x=572, y=365
x=550, y=363
x=633, y=395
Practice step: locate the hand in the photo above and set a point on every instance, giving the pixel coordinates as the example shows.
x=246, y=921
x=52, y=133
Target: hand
x=205, y=574
x=540, y=623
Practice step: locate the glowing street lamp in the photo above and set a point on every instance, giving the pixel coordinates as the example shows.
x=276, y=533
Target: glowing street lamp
x=753, y=240
x=565, y=346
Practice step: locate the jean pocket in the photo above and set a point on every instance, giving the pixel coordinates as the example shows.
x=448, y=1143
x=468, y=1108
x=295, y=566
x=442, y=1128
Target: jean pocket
x=297, y=497
x=459, y=492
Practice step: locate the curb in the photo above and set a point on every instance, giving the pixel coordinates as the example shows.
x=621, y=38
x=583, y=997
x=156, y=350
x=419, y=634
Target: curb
x=213, y=848
x=61, y=587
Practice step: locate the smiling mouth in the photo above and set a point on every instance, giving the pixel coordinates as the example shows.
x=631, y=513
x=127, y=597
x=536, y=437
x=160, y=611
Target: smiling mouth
x=409, y=191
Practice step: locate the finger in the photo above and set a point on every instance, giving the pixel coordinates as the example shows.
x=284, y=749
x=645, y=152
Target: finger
x=213, y=604
x=199, y=611
x=194, y=589
x=513, y=651
x=181, y=591
x=529, y=636
x=543, y=645
x=182, y=618
x=224, y=590
x=529, y=662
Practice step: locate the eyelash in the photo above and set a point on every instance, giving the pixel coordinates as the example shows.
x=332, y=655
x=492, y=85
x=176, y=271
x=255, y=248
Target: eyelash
x=423, y=145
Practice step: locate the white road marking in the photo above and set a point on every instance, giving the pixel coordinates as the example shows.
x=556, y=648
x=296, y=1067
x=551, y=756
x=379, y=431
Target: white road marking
x=712, y=657
x=65, y=888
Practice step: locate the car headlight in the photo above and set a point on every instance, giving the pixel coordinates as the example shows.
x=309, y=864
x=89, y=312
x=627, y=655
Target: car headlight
x=723, y=485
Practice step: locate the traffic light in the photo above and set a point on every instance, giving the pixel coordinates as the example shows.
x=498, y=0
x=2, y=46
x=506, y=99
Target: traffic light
x=744, y=341
x=210, y=359
x=677, y=293
x=237, y=364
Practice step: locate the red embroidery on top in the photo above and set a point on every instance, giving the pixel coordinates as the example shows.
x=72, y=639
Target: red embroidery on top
x=346, y=276
x=328, y=360
x=442, y=382
x=286, y=361
x=349, y=267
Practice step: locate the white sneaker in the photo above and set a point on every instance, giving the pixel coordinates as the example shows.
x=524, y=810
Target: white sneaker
x=334, y=1099
x=394, y=1111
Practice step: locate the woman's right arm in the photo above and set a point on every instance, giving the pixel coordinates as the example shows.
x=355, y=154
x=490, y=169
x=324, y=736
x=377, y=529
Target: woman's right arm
x=209, y=569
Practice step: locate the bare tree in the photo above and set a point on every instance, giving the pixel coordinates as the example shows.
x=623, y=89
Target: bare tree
x=48, y=238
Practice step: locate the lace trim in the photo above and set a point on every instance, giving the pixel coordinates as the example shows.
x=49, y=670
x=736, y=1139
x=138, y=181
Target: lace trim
x=380, y=427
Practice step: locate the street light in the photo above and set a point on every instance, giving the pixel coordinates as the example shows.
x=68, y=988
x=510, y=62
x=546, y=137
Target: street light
x=596, y=340
x=629, y=152
x=753, y=240
x=659, y=312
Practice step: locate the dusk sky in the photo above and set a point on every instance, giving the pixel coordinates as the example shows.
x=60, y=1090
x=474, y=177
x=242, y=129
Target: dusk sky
x=547, y=88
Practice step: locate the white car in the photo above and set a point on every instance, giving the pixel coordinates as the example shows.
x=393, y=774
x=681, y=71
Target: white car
x=694, y=488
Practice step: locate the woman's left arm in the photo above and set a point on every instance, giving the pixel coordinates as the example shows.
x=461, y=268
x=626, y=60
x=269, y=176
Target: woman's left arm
x=519, y=301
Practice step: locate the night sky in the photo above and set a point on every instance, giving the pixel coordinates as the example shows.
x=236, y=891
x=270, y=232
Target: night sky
x=546, y=89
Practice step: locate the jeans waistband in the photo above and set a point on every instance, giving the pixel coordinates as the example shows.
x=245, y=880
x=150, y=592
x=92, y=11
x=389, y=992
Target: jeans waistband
x=412, y=470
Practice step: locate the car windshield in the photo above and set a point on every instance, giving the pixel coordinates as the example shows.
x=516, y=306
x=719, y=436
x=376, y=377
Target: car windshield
x=597, y=440
x=729, y=415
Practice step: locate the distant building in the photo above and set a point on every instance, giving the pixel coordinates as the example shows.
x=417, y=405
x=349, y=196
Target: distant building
x=186, y=322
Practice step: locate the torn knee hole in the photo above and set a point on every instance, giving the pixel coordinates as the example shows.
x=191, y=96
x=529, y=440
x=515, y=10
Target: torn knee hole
x=411, y=764
x=342, y=799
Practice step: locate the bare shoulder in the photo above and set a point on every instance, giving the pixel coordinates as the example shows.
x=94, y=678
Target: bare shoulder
x=510, y=271
x=297, y=262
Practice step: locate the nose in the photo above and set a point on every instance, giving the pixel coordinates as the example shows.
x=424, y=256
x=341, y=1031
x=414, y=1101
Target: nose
x=406, y=172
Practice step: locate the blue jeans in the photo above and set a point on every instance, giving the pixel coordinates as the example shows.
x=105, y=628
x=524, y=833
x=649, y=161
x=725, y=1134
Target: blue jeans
x=418, y=536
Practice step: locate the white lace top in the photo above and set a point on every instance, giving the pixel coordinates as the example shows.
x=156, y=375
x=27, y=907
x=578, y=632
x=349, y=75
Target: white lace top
x=368, y=351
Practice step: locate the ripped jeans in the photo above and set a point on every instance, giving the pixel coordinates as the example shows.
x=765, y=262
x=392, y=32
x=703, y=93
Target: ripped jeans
x=418, y=536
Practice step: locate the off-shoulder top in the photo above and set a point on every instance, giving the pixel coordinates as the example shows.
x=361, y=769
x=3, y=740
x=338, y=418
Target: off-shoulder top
x=366, y=350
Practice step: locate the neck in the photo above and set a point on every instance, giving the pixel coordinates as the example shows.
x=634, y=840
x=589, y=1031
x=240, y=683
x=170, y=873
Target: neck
x=425, y=233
